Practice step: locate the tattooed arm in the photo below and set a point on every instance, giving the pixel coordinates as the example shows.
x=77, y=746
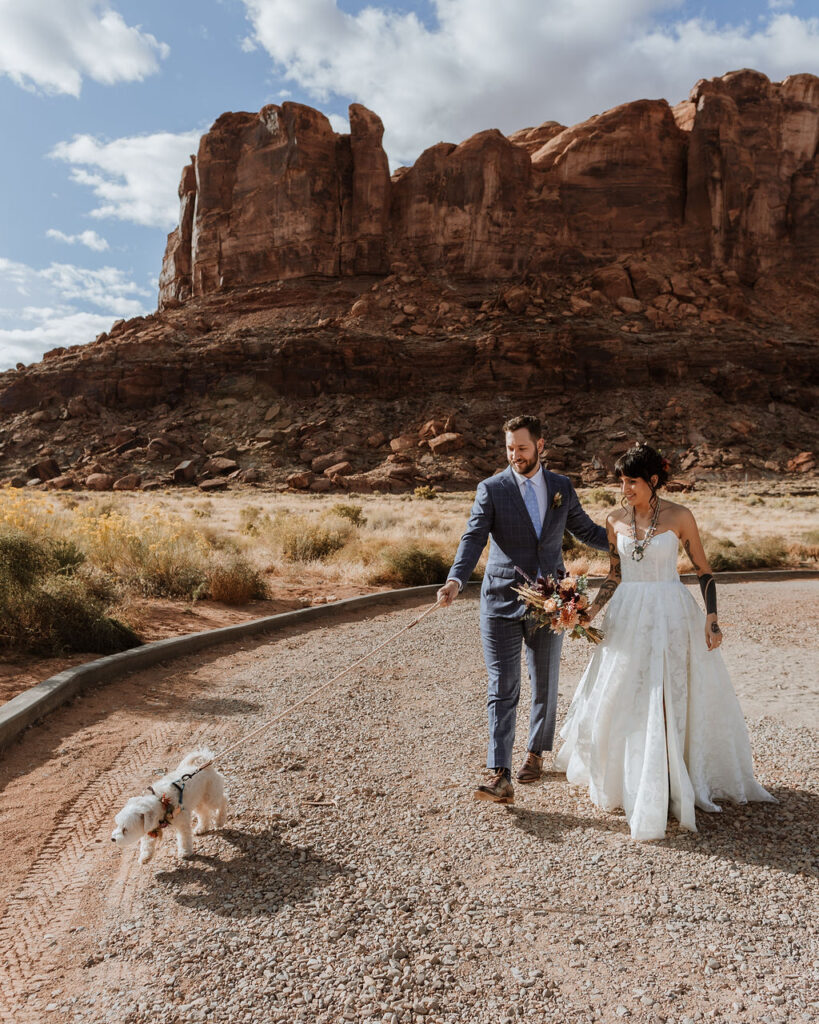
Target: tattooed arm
x=690, y=537
x=612, y=581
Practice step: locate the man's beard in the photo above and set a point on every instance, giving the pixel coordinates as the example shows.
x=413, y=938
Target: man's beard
x=527, y=467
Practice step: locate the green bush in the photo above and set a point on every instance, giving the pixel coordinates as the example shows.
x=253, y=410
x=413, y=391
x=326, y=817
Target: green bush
x=68, y=618
x=414, y=566
x=23, y=561
x=68, y=556
x=46, y=612
x=353, y=513
x=425, y=493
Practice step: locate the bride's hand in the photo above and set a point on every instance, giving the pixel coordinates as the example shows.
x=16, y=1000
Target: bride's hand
x=713, y=634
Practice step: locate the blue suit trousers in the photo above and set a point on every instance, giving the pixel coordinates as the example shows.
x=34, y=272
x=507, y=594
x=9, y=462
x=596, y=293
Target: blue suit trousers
x=502, y=639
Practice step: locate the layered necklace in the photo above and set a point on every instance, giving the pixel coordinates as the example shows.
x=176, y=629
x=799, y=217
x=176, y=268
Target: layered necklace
x=639, y=546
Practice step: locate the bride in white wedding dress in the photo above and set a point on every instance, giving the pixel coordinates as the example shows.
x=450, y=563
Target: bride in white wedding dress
x=655, y=723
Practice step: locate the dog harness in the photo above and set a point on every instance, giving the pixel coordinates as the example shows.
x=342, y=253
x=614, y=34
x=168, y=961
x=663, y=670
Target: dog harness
x=170, y=810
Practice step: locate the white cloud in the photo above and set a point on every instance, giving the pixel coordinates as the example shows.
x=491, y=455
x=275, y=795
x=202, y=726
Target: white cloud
x=339, y=124
x=486, y=64
x=54, y=46
x=56, y=329
x=90, y=239
x=134, y=178
x=44, y=308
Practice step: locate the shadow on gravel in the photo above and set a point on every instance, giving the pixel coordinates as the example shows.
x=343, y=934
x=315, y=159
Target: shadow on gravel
x=779, y=836
x=551, y=826
x=213, y=707
x=263, y=874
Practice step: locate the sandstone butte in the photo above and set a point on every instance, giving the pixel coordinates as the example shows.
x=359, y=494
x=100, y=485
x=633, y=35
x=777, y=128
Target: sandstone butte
x=649, y=272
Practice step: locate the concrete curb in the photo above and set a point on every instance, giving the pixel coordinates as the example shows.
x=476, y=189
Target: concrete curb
x=27, y=707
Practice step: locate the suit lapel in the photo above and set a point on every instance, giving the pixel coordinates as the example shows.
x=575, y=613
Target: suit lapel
x=511, y=484
x=548, y=481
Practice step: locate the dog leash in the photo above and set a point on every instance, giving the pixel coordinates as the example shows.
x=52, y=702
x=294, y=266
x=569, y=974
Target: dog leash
x=314, y=693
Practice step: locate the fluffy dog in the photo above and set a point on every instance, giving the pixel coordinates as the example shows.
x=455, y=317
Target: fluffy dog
x=172, y=802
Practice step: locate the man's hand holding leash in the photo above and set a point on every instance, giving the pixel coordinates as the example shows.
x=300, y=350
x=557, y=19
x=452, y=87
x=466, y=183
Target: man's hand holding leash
x=448, y=592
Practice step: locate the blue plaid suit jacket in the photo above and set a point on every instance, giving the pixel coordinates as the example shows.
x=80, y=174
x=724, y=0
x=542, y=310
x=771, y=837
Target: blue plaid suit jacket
x=500, y=515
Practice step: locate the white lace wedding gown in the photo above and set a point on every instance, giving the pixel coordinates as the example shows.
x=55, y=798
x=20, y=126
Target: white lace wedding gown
x=653, y=668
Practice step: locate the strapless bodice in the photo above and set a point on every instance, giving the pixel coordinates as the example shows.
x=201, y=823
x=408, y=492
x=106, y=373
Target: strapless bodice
x=659, y=561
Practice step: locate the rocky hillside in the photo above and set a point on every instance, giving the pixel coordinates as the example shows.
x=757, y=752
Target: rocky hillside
x=651, y=272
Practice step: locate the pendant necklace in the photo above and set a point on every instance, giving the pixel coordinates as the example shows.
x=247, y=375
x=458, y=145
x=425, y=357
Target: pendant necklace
x=639, y=548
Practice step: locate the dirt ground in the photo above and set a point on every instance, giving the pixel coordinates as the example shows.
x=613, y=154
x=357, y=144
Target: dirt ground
x=357, y=880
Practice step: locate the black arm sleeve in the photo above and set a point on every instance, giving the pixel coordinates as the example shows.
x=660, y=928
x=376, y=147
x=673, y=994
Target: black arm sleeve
x=708, y=587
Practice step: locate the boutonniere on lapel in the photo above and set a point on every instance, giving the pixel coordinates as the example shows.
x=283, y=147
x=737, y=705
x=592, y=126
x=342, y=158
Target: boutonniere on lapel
x=557, y=500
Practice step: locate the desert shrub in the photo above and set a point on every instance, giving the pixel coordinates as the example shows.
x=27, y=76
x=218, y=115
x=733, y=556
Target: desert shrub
x=304, y=540
x=68, y=618
x=601, y=496
x=49, y=613
x=103, y=586
x=761, y=553
x=313, y=544
x=236, y=582
x=249, y=520
x=425, y=493
x=23, y=561
x=413, y=566
x=157, y=555
x=353, y=513
x=68, y=556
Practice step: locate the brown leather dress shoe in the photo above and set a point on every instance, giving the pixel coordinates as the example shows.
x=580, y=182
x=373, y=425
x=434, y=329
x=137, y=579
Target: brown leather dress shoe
x=499, y=790
x=531, y=770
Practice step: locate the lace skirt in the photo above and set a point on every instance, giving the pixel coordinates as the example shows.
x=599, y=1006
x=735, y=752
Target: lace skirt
x=655, y=723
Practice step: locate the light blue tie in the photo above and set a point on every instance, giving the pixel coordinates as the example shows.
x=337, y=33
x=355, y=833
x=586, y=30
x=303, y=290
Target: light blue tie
x=530, y=501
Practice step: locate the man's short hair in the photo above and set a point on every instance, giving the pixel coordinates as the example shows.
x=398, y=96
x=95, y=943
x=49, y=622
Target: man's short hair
x=530, y=423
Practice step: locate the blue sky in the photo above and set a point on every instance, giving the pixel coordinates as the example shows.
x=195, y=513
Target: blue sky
x=102, y=102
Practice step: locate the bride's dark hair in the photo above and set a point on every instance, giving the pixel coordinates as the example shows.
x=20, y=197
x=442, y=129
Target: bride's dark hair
x=641, y=460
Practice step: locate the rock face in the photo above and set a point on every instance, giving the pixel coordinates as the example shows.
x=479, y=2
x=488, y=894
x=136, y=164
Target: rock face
x=278, y=195
x=322, y=325
x=729, y=176
x=752, y=170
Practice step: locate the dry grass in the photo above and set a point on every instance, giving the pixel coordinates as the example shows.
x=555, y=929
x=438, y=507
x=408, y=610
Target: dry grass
x=229, y=545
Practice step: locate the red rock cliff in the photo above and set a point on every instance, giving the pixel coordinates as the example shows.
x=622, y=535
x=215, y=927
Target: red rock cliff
x=730, y=176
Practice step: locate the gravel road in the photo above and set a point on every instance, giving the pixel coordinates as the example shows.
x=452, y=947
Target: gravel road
x=356, y=880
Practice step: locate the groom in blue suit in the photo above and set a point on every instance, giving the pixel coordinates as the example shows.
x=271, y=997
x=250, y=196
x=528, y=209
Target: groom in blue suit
x=524, y=511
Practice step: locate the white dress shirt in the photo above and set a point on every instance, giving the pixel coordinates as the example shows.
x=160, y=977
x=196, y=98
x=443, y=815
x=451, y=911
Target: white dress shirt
x=539, y=481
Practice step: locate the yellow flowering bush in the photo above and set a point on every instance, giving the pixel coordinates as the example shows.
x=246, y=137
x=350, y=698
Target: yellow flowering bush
x=154, y=552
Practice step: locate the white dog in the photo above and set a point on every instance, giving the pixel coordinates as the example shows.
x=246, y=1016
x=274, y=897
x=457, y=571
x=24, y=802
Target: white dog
x=172, y=802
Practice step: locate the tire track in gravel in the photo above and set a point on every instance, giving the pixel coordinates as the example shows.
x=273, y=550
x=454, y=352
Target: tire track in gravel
x=52, y=892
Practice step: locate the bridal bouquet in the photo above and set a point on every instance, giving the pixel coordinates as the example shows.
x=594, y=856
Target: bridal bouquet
x=558, y=604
